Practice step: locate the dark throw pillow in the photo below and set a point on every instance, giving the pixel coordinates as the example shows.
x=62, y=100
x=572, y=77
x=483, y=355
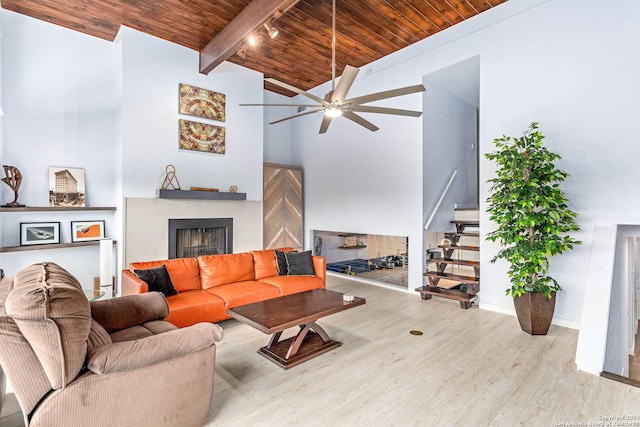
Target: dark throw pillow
x=299, y=264
x=281, y=263
x=158, y=280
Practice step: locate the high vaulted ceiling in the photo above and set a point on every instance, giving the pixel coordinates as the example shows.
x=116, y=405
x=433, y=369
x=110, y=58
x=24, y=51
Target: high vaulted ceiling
x=301, y=53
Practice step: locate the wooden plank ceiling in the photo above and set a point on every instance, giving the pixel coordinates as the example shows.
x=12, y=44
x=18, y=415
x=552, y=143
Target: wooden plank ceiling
x=301, y=53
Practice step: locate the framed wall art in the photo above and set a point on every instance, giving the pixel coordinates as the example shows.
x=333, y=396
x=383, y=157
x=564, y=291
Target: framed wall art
x=66, y=186
x=83, y=231
x=195, y=101
x=197, y=136
x=39, y=233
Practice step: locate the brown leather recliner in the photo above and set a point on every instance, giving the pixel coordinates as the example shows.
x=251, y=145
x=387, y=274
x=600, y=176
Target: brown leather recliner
x=72, y=362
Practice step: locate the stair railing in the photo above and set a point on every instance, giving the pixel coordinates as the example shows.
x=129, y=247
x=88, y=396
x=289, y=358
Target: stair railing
x=444, y=193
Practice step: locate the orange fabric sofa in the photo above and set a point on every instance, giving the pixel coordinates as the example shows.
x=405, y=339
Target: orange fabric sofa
x=208, y=285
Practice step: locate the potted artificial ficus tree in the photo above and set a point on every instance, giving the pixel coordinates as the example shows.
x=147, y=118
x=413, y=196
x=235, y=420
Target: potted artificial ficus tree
x=533, y=222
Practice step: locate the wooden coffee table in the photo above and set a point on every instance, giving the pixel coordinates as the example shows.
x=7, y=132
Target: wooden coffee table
x=273, y=316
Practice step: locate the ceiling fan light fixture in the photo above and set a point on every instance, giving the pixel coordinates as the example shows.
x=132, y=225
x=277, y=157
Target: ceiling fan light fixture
x=333, y=111
x=273, y=31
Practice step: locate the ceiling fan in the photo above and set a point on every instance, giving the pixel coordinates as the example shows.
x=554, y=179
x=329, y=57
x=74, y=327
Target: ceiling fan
x=334, y=103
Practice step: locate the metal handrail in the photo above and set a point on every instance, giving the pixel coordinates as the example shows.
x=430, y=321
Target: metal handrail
x=444, y=193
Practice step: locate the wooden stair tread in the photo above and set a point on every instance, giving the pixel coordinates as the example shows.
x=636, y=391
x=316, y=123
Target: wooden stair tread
x=465, y=234
x=466, y=222
x=451, y=276
x=461, y=247
x=455, y=261
x=447, y=293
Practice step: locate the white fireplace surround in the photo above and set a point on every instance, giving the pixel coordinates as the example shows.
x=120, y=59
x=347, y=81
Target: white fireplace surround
x=146, y=224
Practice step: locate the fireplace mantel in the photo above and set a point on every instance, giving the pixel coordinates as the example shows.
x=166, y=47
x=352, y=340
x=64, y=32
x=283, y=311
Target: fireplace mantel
x=146, y=224
x=200, y=195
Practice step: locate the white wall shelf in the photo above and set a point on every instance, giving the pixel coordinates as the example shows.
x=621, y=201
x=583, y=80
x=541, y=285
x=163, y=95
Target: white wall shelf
x=50, y=246
x=55, y=209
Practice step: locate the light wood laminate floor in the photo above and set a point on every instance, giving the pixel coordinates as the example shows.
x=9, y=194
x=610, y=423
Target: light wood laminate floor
x=470, y=368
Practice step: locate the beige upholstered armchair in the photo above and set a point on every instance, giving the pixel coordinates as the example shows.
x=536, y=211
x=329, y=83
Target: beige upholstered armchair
x=115, y=362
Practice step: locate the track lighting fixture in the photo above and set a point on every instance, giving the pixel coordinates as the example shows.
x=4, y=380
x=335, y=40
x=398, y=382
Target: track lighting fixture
x=242, y=53
x=273, y=31
x=254, y=39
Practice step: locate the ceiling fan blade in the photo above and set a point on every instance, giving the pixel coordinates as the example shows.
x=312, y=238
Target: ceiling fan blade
x=297, y=115
x=384, y=110
x=386, y=94
x=326, y=121
x=346, y=80
x=295, y=89
x=359, y=120
x=280, y=105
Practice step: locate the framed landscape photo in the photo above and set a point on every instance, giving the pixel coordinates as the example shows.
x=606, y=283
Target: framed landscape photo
x=84, y=231
x=39, y=233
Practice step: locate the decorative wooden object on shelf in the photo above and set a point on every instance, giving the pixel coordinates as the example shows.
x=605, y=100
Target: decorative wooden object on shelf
x=170, y=178
x=13, y=179
x=201, y=195
x=203, y=189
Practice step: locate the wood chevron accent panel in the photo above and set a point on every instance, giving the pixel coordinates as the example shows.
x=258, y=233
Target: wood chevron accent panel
x=283, y=207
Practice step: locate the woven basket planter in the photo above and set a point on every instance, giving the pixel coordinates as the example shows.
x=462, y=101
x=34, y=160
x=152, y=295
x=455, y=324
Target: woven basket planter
x=535, y=312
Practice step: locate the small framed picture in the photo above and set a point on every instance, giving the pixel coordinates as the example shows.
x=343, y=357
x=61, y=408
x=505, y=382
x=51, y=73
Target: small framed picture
x=84, y=231
x=39, y=233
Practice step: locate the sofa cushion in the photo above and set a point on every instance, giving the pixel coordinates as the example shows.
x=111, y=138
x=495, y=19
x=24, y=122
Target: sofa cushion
x=145, y=330
x=281, y=263
x=216, y=270
x=264, y=264
x=241, y=293
x=52, y=312
x=189, y=308
x=115, y=314
x=98, y=336
x=293, y=284
x=184, y=272
x=299, y=263
x=157, y=279
x=131, y=334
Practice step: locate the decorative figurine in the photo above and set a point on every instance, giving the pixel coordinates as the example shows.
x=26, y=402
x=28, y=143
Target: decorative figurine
x=13, y=179
x=169, y=177
x=233, y=189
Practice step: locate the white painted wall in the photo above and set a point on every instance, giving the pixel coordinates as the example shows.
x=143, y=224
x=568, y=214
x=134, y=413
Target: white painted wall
x=450, y=144
x=61, y=103
x=550, y=66
x=361, y=181
x=277, y=138
x=152, y=72
x=539, y=61
x=111, y=108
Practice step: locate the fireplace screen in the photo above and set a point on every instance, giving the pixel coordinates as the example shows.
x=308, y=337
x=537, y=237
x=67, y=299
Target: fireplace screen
x=190, y=238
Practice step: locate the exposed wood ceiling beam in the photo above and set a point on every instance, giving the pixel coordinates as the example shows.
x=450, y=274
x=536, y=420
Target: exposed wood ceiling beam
x=230, y=39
